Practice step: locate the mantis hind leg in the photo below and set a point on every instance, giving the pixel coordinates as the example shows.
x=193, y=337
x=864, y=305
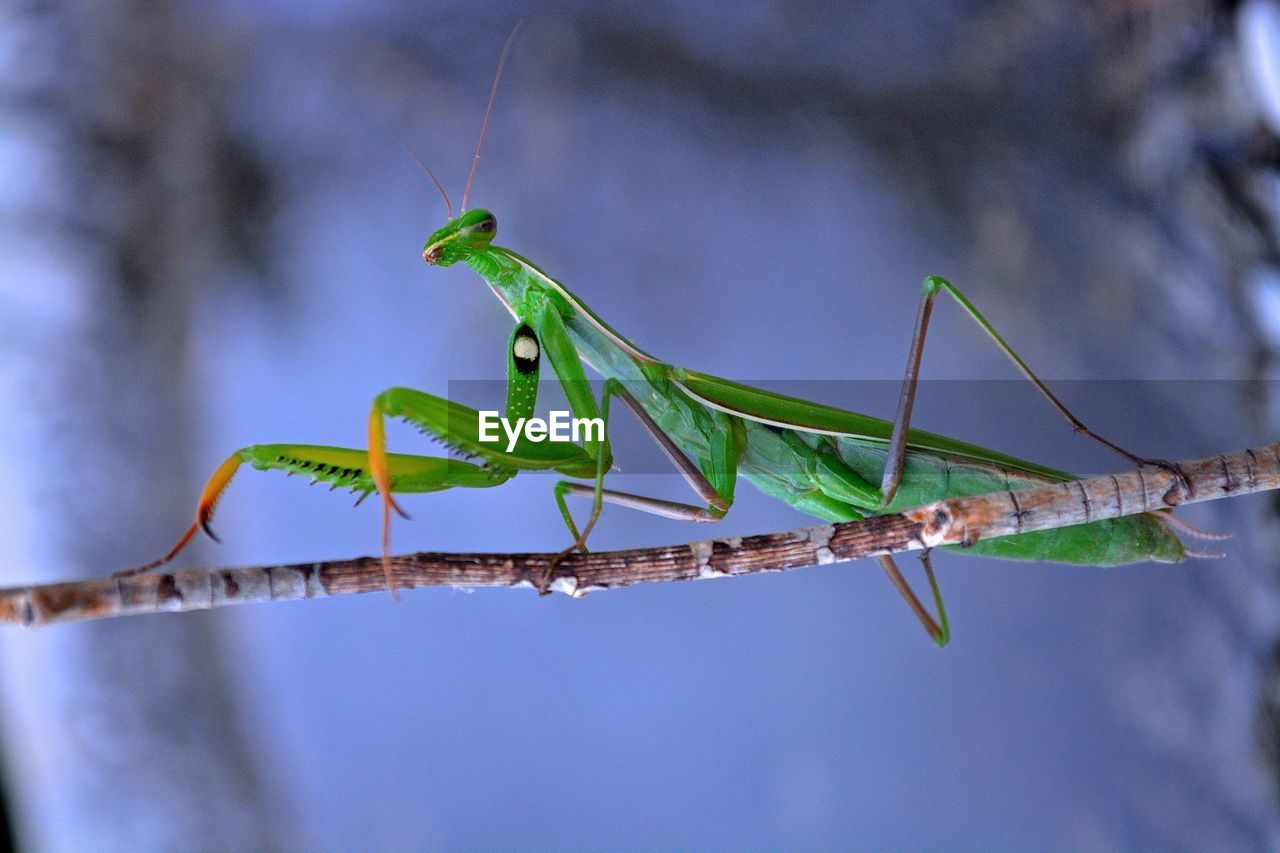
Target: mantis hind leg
x=838, y=495
x=339, y=467
x=940, y=630
x=933, y=285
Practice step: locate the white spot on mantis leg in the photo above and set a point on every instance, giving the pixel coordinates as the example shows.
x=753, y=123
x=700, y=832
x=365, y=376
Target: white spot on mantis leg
x=525, y=348
x=734, y=542
x=820, y=536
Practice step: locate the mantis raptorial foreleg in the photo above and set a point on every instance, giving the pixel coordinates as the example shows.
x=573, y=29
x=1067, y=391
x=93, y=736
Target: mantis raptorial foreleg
x=548, y=323
x=459, y=427
x=933, y=285
x=340, y=467
x=374, y=469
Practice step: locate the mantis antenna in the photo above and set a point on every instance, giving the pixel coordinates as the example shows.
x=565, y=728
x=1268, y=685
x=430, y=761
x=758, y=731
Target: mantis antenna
x=487, y=110
x=448, y=204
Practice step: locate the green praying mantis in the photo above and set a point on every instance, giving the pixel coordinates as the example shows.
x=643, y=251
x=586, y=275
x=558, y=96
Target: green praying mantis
x=834, y=464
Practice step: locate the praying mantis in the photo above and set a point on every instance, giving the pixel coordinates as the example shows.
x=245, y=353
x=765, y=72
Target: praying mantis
x=834, y=464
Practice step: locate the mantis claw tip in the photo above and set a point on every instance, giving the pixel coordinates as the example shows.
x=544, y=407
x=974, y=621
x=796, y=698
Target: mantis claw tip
x=208, y=531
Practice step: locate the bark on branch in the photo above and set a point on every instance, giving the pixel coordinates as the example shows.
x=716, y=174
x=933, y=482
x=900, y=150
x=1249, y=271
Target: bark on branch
x=949, y=522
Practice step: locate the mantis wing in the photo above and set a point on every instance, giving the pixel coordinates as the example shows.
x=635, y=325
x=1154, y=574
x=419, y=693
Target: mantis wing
x=780, y=410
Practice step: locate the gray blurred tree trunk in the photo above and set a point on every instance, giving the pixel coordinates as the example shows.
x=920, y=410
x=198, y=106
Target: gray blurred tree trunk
x=118, y=736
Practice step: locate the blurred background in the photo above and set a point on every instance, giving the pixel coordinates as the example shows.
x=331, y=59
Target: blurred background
x=210, y=236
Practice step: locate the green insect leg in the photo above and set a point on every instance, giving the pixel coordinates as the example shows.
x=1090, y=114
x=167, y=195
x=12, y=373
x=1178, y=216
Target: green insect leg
x=715, y=487
x=339, y=467
x=933, y=285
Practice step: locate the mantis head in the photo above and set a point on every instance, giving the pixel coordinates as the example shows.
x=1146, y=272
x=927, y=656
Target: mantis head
x=460, y=238
x=470, y=231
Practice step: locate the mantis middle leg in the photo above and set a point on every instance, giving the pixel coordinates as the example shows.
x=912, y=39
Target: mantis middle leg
x=718, y=499
x=834, y=485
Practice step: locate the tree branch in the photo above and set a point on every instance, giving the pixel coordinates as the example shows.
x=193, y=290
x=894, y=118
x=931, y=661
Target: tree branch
x=958, y=521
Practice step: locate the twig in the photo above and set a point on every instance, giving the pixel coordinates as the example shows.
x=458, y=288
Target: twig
x=957, y=521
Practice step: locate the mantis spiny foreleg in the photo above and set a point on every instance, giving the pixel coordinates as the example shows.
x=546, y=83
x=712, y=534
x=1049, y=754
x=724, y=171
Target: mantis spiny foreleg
x=459, y=427
x=340, y=467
